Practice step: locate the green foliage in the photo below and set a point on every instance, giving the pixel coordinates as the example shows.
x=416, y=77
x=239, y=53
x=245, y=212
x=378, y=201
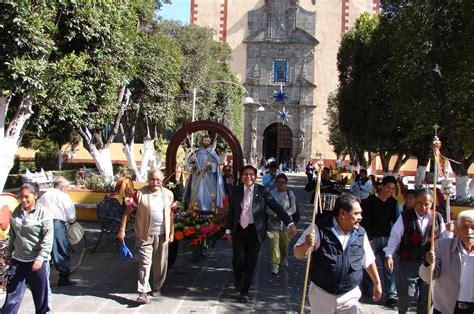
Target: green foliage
x=96, y=182
x=26, y=43
x=403, y=71
x=205, y=63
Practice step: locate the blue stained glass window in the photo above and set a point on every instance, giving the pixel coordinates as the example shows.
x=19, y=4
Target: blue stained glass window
x=280, y=70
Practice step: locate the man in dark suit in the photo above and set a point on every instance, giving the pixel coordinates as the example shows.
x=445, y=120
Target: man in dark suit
x=247, y=227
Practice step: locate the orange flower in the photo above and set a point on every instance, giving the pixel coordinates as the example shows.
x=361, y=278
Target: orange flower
x=178, y=235
x=192, y=230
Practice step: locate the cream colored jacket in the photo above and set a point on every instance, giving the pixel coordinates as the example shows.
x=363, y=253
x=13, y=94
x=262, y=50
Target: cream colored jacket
x=143, y=212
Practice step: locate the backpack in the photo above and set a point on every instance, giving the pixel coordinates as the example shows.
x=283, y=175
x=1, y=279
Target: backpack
x=108, y=208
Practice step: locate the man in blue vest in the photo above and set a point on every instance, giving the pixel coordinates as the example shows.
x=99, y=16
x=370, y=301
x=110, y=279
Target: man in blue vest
x=340, y=252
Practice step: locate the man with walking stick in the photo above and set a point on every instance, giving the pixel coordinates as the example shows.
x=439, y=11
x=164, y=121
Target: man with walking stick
x=453, y=268
x=340, y=250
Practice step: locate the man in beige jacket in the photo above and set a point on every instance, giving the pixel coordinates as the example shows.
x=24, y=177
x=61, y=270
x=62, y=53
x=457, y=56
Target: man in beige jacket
x=154, y=230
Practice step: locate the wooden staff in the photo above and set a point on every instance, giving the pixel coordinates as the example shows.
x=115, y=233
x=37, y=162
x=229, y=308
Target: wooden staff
x=316, y=208
x=433, y=216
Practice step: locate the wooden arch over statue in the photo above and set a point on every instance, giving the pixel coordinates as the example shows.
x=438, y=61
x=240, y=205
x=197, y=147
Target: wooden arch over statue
x=205, y=125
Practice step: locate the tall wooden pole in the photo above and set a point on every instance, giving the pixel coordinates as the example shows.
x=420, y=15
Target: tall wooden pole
x=433, y=216
x=316, y=208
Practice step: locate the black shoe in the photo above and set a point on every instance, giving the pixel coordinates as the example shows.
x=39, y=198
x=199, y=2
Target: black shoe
x=244, y=298
x=391, y=302
x=62, y=282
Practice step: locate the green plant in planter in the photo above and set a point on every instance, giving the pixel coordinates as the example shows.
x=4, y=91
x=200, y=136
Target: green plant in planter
x=97, y=182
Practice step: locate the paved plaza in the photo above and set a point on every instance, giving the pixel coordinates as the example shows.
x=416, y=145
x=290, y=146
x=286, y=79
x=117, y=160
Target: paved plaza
x=107, y=284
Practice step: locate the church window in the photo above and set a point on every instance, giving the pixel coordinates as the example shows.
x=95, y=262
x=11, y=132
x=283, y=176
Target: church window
x=280, y=71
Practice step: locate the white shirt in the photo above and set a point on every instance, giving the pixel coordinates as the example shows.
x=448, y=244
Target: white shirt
x=59, y=204
x=466, y=284
x=157, y=205
x=369, y=256
x=398, y=229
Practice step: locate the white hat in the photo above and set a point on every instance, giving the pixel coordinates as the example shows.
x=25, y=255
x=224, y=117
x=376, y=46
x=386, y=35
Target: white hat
x=75, y=233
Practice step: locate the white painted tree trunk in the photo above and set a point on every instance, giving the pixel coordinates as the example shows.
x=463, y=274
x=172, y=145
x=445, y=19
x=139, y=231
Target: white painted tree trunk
x=147, y=157
x=10, y=136
x=102, y=160
x=461, y=187
x=156, y=161
x=420, y=176
x=7, y=155
x=471, y=188
x=132, y=163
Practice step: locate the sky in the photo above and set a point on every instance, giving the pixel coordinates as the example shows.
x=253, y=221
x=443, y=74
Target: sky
x=178, y=10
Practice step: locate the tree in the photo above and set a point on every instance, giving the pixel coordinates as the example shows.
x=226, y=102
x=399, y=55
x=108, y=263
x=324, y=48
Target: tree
x=436, y=40
x=87, y=89
x=153, y=90
x=205, y=61
x=25, y=46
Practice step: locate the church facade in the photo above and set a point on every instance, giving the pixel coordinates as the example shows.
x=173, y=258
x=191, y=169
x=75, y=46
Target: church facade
x=285, y=54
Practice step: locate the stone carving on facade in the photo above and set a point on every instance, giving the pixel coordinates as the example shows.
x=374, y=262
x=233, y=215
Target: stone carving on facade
x=302, y=141
x=253, y=140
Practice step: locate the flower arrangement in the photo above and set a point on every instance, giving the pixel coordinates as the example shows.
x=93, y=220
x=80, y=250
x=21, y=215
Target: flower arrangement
x=196, y=228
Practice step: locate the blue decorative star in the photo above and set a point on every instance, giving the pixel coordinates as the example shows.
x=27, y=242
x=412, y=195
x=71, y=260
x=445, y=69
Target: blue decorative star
x=280, y=96
x=283, y=115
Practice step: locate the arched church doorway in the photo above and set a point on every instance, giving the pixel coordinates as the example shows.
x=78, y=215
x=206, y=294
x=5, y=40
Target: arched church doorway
x=277, y=142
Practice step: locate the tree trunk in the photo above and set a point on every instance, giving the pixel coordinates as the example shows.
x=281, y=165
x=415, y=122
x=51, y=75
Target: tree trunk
x=147, y=156
x=385, y=159
x=132, y=163
x=420, y=176
x=7, y=155
x=401, y=160
x=11, y=137
x=101, y=156
x=102, y=160
x=461, y=187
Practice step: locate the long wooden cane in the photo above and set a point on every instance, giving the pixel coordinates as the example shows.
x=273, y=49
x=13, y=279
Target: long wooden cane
x=433, y=220
x=316, y=208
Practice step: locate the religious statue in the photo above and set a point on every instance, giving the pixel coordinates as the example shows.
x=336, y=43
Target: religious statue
x=301, y=141
x=205, y=186
x=253, y=140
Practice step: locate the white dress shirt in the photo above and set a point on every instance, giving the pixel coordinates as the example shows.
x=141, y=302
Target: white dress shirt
x=251, y=221
x=466, y=284
x=59, y=204
x=398, y=229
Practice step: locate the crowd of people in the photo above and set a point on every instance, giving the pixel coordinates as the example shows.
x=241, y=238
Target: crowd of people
x=399, y=236
x=355, y=229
